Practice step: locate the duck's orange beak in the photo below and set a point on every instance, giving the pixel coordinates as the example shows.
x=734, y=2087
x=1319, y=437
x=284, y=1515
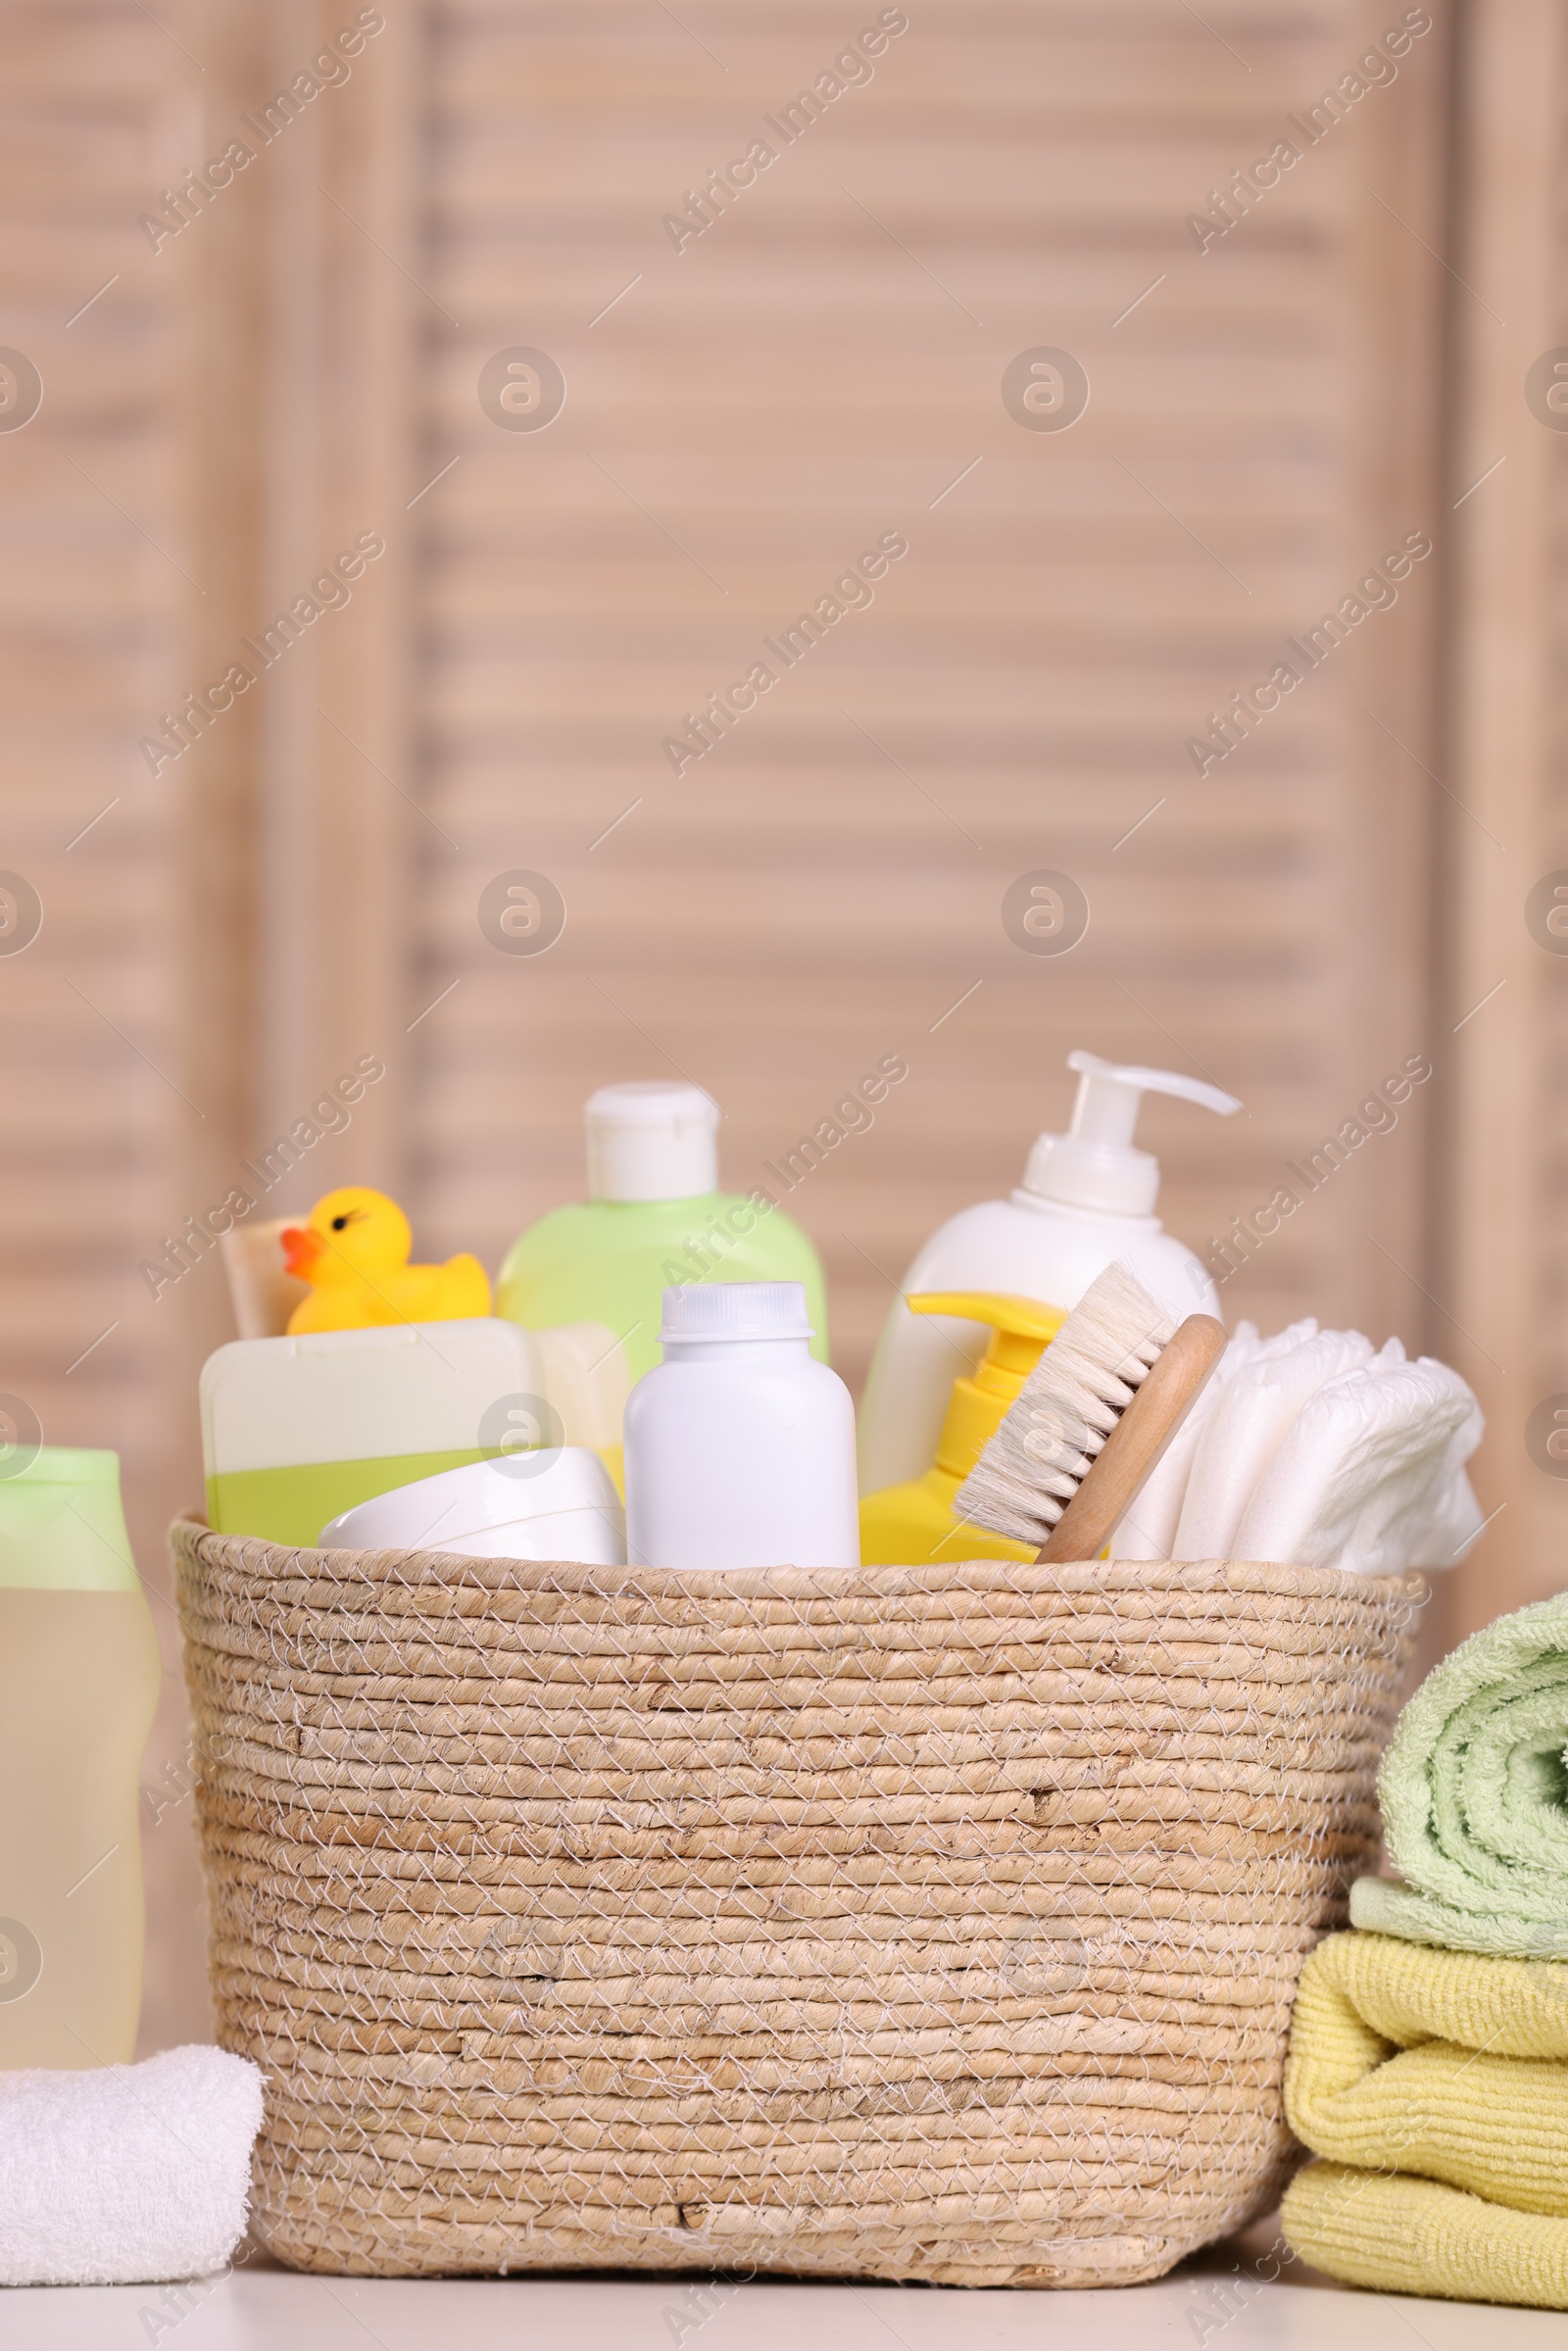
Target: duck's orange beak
x=301, y=1249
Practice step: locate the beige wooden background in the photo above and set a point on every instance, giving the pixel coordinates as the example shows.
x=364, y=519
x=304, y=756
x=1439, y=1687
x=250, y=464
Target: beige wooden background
x=300, y=364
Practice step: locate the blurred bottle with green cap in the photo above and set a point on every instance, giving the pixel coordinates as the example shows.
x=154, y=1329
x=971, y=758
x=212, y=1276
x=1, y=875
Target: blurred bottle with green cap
x=80, y=1674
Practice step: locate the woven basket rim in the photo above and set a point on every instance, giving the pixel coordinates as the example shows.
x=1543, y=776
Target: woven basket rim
x=1268, y=1577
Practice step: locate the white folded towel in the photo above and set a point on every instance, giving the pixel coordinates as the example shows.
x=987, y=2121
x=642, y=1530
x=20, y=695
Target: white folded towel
x=1241, y=1434
x=127, y=2174
x=1371, y=1475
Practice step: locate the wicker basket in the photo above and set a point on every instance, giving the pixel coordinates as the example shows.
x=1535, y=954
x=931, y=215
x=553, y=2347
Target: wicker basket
x=932, y=1924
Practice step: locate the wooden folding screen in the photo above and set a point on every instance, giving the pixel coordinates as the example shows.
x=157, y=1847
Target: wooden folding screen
x=802, y=274
x=1500, y=1161
x=750, y=400
x=102, y=582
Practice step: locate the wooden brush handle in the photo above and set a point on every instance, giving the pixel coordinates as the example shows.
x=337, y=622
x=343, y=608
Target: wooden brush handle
x=1136, y=1443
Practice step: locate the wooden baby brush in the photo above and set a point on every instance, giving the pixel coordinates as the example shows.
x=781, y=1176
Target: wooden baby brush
x=1091, y=1421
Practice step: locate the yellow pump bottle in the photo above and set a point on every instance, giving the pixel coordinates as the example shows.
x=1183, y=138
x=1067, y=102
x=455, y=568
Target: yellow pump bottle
x=916, y=1523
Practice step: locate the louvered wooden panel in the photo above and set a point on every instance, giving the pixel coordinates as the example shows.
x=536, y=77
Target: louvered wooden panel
x=1502, y=1273
x=98, y=588
x=820, y=366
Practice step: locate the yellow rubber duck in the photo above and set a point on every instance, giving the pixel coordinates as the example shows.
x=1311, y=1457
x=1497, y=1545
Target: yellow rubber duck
x=354, y=1252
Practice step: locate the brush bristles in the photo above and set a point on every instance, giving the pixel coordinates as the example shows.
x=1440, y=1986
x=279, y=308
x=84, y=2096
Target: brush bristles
x=1072, y=1399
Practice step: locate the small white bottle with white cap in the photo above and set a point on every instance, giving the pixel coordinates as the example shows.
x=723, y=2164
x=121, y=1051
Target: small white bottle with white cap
x=654, y=1216
x=1087, y=1199
x=740, y=1450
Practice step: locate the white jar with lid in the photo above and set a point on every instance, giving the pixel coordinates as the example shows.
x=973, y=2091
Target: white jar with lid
x=547, y=1503
x=740, y=1447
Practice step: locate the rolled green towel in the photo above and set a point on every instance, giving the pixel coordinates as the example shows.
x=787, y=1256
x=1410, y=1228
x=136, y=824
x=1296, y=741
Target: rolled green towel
x=1474, y=1789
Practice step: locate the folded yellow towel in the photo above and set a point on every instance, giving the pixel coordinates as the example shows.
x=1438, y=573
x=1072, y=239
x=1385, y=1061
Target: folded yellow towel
x=1436, y=2082
x=1404, y=2235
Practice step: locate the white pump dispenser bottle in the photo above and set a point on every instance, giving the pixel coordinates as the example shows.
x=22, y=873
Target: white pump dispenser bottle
x=1087, y=1199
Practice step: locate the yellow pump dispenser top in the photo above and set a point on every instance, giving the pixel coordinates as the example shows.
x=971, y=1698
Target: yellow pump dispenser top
x=1021, y=1328
x=916, y=1522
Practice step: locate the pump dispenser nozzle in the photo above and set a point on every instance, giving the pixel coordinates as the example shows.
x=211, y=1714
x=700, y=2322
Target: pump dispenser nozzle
x=1095, y=1164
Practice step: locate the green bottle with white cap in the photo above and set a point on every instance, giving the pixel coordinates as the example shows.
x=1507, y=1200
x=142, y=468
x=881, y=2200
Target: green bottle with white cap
x=654, y=1219
x=79, y=1675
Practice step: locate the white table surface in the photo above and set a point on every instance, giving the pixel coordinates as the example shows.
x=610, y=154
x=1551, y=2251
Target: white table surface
x=1219, y=2298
